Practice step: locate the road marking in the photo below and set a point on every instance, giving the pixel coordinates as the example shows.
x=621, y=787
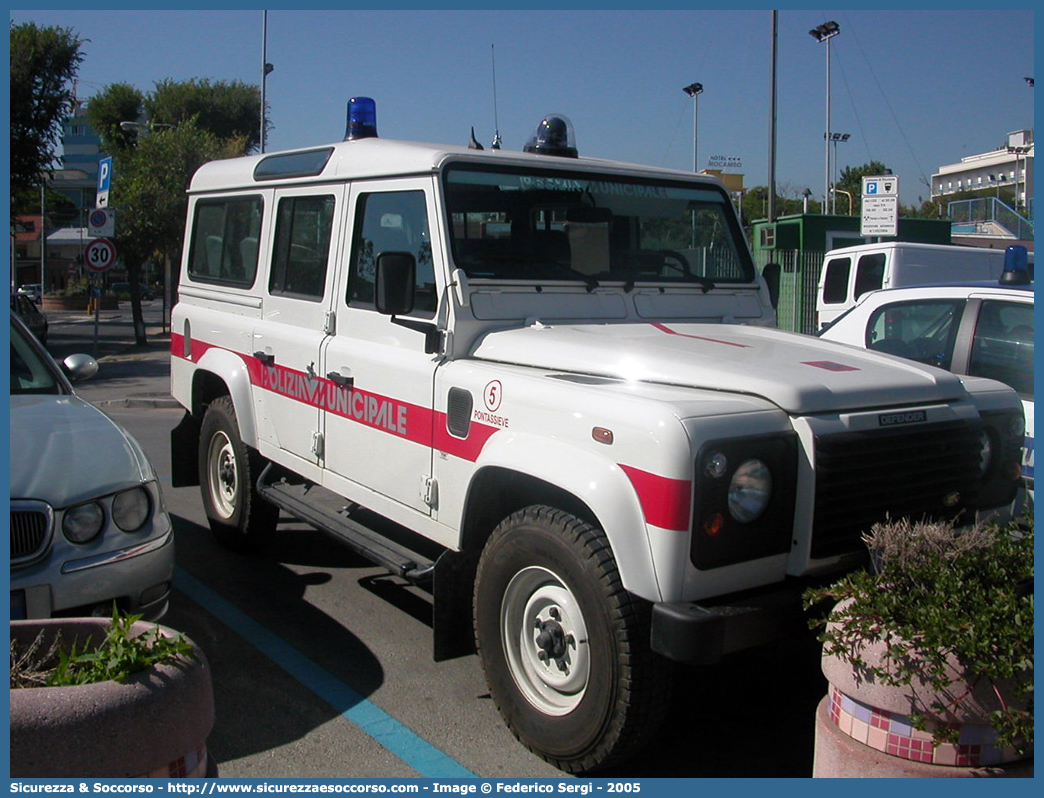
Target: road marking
x=400, y=740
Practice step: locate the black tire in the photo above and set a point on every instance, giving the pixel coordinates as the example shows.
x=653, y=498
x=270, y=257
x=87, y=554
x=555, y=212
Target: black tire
x=228, y=469
x=564, y=647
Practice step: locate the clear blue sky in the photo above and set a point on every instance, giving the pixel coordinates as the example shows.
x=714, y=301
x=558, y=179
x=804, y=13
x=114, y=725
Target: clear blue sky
x=915, y=89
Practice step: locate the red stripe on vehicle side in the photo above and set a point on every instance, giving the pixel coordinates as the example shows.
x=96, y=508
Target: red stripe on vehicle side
x=669, y=331
x=417, y=424
x=665, y=502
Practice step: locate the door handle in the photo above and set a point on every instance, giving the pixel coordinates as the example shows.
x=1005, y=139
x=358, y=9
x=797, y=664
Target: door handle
x=265, y=357
x=339, y=379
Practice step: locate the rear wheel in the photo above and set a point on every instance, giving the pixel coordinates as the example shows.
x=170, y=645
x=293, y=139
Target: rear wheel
x=565, y=648
x=239, y=518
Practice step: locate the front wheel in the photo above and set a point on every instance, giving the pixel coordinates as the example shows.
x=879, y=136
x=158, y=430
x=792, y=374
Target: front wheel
x=239, y=518
x=565, y=648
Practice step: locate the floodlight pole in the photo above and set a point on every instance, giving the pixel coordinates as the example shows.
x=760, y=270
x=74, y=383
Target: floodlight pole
x=824, y=33
x=694, y=90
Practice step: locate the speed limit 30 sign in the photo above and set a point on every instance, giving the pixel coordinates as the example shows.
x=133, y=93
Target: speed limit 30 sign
x=99, y=254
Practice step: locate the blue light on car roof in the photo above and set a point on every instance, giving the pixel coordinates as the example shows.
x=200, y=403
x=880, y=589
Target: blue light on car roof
x=1016, y=268
x=362, y=119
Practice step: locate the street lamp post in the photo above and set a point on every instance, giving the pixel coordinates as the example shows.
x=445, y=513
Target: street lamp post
x=835, y=139
x=847, y=194
x=694, y=90
x=1017, y=151
x=266, y=68
x=824, y=33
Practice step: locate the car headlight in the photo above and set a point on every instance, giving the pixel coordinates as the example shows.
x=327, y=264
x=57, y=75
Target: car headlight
x=750, y=491
x=130, y=509
x=83, y=522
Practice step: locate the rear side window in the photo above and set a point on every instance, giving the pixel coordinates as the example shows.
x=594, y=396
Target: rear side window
x=302, y=245
x=225, y=233
x=869, y=273
x=925, y=331
x=835, y=284
x=1003, y=345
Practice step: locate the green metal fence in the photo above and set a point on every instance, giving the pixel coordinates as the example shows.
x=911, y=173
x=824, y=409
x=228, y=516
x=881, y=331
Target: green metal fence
x=799, y=277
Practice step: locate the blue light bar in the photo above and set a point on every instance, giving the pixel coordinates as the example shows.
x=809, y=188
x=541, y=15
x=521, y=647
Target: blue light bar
x=362, y=119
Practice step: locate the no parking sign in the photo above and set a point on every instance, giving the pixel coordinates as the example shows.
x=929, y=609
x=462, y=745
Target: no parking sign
x=99, y=254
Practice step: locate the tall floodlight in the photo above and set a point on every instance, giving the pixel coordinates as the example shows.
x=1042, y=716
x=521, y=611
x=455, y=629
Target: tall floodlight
x=835, y=139
x=694, y=90
x=824, y=33
x=265, y=69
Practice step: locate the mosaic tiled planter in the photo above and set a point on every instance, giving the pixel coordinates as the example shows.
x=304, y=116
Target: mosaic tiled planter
x=155, y=724
x=863, y=727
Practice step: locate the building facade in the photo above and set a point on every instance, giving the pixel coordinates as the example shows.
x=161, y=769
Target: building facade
x=1008, y=168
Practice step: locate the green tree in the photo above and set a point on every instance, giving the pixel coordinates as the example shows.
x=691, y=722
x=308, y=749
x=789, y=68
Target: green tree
x=229, y=110
x=851, y=179
x=151, y=200
x=44, y=62
x=185, y=125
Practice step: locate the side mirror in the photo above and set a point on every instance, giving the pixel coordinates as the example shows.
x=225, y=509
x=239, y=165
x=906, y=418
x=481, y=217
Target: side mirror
x=396, y=283
x=79, y=367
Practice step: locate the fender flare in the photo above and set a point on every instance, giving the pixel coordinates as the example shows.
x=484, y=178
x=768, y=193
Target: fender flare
x=233, y=370
x=599, y=482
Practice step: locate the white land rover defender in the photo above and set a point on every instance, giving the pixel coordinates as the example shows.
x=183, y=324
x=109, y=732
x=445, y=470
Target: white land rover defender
x=550, y=387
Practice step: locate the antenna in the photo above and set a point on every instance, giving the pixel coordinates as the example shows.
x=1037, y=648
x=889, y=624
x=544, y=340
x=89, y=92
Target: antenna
x=496, y=122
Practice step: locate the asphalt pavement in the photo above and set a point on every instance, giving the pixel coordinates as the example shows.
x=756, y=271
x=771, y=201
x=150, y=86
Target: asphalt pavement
x=129, y=374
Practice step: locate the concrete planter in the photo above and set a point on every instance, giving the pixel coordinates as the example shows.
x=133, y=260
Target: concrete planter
x=155, y=724
x=863, y=727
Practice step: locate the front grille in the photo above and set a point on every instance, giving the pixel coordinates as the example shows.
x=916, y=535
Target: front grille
x=864, y=477
x=30, y=531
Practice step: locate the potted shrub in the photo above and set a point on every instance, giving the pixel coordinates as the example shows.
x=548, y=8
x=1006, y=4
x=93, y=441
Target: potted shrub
x=115, y=698
x=929, y=655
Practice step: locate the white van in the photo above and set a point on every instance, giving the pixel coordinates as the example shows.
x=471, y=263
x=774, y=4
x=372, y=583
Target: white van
x=850, y=272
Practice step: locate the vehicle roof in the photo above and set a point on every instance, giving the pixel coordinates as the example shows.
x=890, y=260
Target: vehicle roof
x=377, y=157
x=917, y=245
x=954, y=289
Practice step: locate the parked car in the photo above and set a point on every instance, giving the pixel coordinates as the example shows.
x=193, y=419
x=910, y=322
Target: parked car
x=34, y=291
x=30, y=315
x=982, y=329
x=88, y=525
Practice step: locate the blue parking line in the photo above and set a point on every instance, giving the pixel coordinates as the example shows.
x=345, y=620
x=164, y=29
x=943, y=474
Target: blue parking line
x=412, y=749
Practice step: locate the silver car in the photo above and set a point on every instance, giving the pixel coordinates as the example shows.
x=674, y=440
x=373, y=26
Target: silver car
x=88, y=527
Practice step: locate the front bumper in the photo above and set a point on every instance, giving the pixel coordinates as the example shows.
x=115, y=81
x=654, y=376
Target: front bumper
x=702, y=633
x=138, y=579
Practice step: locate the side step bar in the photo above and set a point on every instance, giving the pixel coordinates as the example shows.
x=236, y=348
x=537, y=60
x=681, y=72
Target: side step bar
x=325, y=510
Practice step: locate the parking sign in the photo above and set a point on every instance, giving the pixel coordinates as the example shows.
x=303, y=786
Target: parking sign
x=104, y=181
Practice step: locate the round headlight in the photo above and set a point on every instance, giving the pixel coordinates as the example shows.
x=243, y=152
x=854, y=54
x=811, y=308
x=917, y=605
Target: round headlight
x=83, y=522
x=750, y=491
x=130, y=509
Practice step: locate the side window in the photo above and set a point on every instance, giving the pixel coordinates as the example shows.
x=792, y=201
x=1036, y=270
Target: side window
x=302, y=245
x=394, y=221
x=922, y=331
x=869, y=273
x=1002, y=348
x=835, y=286
x=225, y=233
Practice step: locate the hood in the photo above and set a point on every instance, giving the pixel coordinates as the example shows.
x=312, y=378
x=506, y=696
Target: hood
x=65, y=451
x=799, y=373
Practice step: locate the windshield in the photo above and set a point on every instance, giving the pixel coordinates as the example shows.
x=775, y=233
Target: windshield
x=29, y=372
x=528, y=224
